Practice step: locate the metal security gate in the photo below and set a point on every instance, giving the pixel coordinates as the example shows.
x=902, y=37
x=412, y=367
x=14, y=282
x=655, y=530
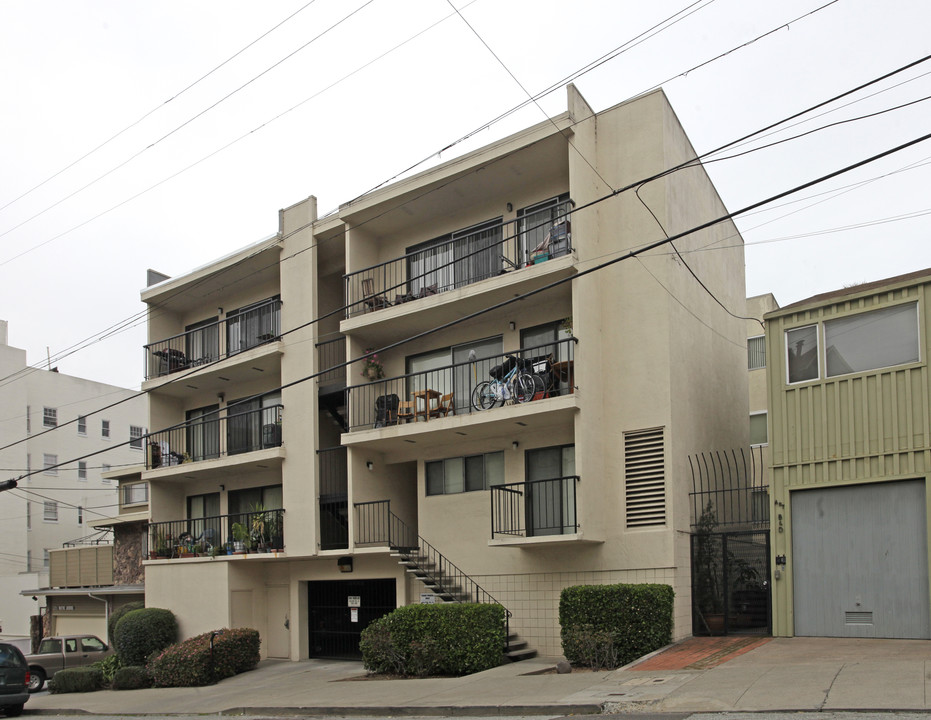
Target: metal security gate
x=860, y=561
x=730, y=583
x=731, y=591
x=339, y=610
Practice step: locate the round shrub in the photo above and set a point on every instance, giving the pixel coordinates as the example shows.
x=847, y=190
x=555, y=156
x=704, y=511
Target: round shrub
x=72, y=680
x=191, y=663
x=140, y=633
x=132, y=677
x=119, y=613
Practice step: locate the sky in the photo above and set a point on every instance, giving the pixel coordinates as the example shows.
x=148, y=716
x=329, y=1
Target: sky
x=167, y=134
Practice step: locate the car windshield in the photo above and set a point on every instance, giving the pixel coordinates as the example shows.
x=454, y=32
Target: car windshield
x=9, y=657
x=50, y=646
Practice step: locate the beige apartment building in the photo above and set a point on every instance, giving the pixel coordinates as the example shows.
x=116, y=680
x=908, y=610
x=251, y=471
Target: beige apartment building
x=436, y=393
x=50, y=419
x=850, y=438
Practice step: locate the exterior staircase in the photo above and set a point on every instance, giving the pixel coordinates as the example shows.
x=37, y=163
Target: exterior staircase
x=424, y=562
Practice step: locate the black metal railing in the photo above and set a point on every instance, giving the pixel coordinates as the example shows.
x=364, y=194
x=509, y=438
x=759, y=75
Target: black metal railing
x=214, y=436
x=334, y=498
x=471, y=255
x=256, y=531
x=730, y=491
x=535, y=508
x=456, y=389
x=377, y=525
x=104, y=537
x=329, y=354
x=241, y=330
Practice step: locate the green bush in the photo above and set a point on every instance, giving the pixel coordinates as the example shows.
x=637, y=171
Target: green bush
x=72, y=680
x=132, y=677
x=120, y=612
x=141, y=632
x=612, y=625
x=189, y=663
x=108, y=667
x=453, y=639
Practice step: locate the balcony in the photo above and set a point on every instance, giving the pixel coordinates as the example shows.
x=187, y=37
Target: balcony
x=205, y=344
x=256, y=532
x=462, y=258
x=215, y=436
x=534, y=509
x=473, y=387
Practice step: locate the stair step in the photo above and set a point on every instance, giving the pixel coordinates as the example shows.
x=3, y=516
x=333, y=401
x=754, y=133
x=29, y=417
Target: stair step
x=518, y=655
x=513, y=645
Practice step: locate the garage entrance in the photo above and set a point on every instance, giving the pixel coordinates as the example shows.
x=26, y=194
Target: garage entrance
x=340, y=610
x=860, y=556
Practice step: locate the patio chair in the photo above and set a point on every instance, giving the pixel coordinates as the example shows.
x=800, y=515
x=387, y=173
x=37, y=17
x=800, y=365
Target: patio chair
x=444, y=407
x=386, y=410
x=406, y=411
x=370, y=299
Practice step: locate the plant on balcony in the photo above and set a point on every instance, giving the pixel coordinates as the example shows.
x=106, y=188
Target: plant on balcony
x=161, y=545
x=242, y=537
x=372, y=367
x=260, y=526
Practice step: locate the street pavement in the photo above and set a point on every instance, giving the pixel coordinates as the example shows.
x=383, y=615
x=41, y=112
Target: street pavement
x=781, y=674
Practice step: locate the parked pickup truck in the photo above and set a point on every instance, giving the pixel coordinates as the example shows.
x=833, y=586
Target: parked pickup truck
x=63, y=651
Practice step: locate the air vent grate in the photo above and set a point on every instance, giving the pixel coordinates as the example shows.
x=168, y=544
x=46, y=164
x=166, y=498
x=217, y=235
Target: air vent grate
x=858, y=617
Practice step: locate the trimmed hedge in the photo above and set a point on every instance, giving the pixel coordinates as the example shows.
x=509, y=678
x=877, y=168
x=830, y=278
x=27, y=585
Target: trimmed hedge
x=119, y=613
x=132, y=677
x=139, y=633
x=612, y=625
x=73, y=680
x=448, y=639
x=189, y=663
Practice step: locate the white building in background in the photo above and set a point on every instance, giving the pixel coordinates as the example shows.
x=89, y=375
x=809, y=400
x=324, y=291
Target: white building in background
x=48, y=418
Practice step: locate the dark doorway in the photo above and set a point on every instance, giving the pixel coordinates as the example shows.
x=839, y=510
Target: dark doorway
x=334, y=627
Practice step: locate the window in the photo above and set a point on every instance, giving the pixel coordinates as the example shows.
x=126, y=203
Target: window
x=756, y=352
x=544, y=229
x=50, y=417
x=49, y=463
x=45, y=558
x=80, y=515
x=454, y=260
x=550, y=490
x=202, y=341
x=82, y=470
x=464, y=474
x=137, y=493
x=758, y=432
x=135, y=436
x=871, y=340
x=432, y=370
x=104, y=469
x=50, y=511
x=28, y=420
x=250, y=326
x=105, y=428
x=82, y=425
x=802, y=353
x=203, y=433
x=29, y=515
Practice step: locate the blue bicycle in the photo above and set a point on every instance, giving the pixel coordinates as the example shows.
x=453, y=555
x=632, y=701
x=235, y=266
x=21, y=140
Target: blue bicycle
x=510, y=383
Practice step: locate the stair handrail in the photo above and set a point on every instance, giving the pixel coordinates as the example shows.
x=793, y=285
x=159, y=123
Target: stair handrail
x=400, y=537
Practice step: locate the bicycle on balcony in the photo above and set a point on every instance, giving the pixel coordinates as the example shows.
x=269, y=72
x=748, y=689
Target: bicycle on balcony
x=511, y=382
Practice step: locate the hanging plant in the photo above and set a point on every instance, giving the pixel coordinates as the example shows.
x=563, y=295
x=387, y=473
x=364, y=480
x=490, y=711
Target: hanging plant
x=372, y=368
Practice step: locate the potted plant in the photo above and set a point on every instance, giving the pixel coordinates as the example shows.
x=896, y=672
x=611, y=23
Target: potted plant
x=260, y=527
x=706, y=572
x=372, y=368
x=242, y=538
x=161, y=545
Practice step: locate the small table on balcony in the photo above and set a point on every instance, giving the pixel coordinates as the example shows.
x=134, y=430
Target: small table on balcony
x=430, y=399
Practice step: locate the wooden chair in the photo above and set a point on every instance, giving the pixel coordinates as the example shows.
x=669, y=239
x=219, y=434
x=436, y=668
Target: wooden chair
x=406, y=410
x=444, y=407
x=370, y=299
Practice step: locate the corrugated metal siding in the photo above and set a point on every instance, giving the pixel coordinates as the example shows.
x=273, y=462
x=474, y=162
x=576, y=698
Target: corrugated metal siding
x=81, y=567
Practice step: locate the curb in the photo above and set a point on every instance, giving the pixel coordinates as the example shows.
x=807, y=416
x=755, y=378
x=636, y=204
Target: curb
x=366, y=711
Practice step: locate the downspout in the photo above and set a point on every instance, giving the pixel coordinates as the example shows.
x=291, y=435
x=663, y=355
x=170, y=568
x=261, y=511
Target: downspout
x=106, y=612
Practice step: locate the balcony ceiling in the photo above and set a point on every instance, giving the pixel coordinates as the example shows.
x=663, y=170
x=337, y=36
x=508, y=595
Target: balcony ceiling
x=262, y=362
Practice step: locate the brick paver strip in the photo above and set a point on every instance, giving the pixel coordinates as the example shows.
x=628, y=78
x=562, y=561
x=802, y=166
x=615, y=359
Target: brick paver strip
x=699, y=653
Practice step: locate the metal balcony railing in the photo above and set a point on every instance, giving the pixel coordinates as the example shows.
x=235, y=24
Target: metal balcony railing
x=241, y=330
x=535, y=508
x=215, y=436
x=470, y=255
x=256, y=531
x=465, y=387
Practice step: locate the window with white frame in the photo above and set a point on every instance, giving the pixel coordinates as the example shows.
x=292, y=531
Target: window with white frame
x=45, y=557
x=28, y=420
x=135, y=436
x=136, y=493
x=82, y=470
x=82, y=425
x=29, y=515
x=50, y=511
x=758, y=432
x=756, y=352
x=80, y=515
x=104, y=469
x=464, y=474
x=871, y=340
x=105, y=428
x=802, y=353
x=49, y=463
x=49, y=417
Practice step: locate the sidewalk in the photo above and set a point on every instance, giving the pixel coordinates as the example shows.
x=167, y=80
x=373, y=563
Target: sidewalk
x=699, y=674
